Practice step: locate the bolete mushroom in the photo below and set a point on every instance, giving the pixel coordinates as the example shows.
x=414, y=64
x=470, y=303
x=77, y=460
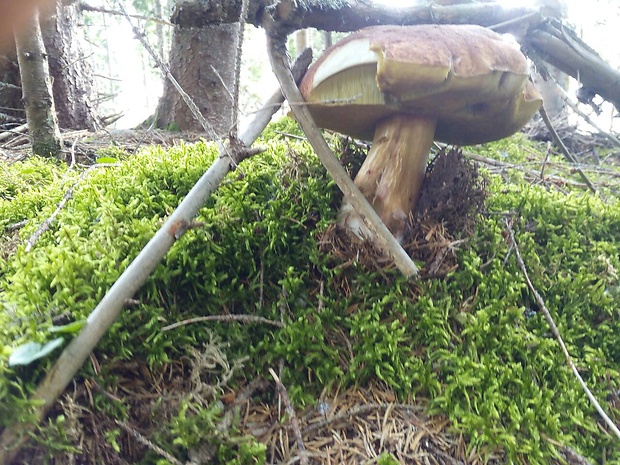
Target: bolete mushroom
x=404, y=87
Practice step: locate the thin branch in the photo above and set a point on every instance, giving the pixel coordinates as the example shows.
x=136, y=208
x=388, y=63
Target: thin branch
x=148, y=443
x=225, y=318
x=586, y=118
x=11, y=132
x=569, y=156
x=18, y=225
x=526, y=18
x=68, y=195
x=87, y=7
x=529, y=172
x=303, y=457
x=556, y=332
x=384, y=238
x=72, y=358
x=271, y=105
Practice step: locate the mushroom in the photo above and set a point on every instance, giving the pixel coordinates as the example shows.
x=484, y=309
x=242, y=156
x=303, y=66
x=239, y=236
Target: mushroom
x=404, y=87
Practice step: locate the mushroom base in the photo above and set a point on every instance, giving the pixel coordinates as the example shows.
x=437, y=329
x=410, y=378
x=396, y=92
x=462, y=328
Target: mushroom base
x=391, y=177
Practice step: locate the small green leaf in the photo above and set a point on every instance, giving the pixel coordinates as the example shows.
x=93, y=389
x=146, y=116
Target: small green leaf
x=107, y=160
x=31, y=351
x=71, y=328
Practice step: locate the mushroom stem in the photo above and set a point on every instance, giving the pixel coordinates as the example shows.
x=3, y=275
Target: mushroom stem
x=393, y=172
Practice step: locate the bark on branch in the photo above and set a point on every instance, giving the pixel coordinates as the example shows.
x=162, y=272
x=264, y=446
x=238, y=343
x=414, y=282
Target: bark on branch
x=560, y=46
x=344, y=15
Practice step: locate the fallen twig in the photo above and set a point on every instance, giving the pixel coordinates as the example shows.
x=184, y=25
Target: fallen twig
x=226, y=318
x=569, y=156
x=18, y=225
x=585, y=117
x=505, y=165
x=385, y=240
x=556, y=332
x=11, y=132
x=68, y=194
x=148, y=443
x=303, y=458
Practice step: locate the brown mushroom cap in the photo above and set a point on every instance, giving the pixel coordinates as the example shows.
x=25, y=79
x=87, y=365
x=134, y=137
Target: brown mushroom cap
x=474, y=81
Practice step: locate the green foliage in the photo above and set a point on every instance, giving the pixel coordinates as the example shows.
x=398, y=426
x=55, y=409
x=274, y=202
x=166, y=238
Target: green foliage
x=475, y=342
x=198, y=426
x=24, y=188
x=27, y=353
x=514, y=149
x=387, y=459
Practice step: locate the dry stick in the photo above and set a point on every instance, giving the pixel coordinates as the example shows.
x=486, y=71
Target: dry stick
x=68, y=194
x=148, y=443
x=384, y=238
x=86, y=7
x=353, y=412
x=506, y=165
x=12, y=132
x=303, y=457
x=226, y=318
x=569, y=156
x=556, y=332
x=74, y=355
x=586, y=118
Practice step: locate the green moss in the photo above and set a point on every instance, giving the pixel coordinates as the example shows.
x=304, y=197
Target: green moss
x=474, y=343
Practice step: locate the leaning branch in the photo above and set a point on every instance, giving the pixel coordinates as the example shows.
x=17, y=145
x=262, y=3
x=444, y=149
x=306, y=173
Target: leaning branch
x=136, y=274
x=290, y=411
x=567, y=154
x=385, y=240
x=575, y=107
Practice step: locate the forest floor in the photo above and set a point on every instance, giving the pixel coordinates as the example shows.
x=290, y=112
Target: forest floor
x=342, y=425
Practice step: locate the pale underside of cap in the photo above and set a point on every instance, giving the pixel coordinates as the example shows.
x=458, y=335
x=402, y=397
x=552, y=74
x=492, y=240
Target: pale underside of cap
x=472, y=80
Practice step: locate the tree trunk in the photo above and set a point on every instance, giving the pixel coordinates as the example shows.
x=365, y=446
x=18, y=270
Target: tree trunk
x=72, y=73
x=11, y=106
x=202, y=60
x=302, y=40
x=159, y=28
x=37, y=90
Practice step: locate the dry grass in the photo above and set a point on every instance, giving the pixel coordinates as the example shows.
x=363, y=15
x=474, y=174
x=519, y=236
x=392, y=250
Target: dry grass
x=357, y=426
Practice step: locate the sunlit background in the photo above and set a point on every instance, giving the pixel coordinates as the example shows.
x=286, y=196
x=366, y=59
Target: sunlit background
x=129, y=73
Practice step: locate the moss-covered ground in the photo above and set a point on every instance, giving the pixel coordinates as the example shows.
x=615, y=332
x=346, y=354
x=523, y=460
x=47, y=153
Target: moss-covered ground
x=472, y=345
